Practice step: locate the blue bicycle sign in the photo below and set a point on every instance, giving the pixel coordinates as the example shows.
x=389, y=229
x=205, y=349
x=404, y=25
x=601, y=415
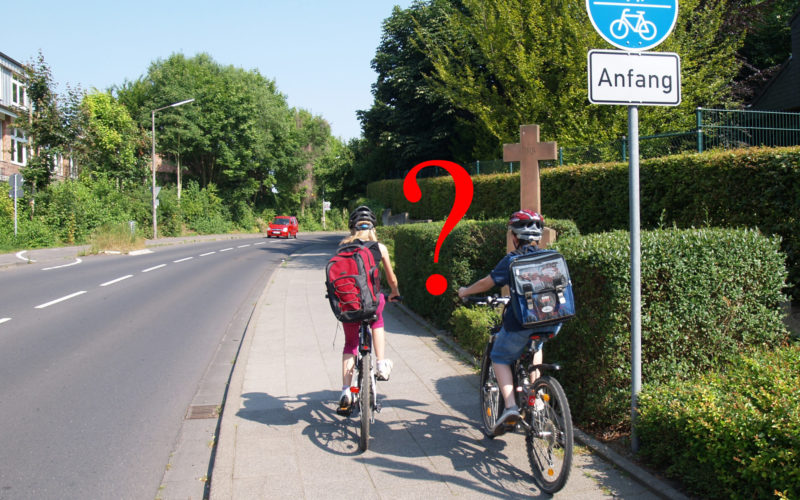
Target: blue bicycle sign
x=633, y=24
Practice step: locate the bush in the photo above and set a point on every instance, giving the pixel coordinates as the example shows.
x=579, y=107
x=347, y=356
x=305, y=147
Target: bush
x=471, y=326
x=116, y=237
x=468, y=253
x=732, y=433
x=707, y=295
x=746, y=188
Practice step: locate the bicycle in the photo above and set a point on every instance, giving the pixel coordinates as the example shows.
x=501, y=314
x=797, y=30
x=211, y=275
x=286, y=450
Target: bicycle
x=545, y=416
x=645, y=29
x=365, y=394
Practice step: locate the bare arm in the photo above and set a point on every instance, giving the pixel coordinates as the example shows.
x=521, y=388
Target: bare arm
x=389, y=271
x=482, y=285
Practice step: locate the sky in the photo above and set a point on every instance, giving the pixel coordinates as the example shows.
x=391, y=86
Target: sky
x=318, y=52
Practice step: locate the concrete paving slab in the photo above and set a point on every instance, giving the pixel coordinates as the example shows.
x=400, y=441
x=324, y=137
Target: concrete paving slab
x=280, y=436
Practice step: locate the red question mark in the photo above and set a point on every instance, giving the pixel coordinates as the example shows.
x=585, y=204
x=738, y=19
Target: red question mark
x=436, y=284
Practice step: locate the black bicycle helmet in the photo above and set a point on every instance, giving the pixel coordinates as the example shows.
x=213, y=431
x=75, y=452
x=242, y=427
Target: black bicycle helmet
x=362, y=214
x=526, y=225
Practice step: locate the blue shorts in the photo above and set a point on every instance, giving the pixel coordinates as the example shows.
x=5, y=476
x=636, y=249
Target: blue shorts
x=509, y=346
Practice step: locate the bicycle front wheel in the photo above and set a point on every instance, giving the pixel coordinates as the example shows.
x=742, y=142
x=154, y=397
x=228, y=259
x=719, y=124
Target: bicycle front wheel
x=364, y=400
x=549, y=442
x=492, y=404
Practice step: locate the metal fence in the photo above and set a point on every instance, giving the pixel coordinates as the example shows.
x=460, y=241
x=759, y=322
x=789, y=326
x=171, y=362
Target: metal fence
x=716, y=129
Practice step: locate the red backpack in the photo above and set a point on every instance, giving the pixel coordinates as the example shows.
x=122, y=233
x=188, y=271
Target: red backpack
x=353, y=282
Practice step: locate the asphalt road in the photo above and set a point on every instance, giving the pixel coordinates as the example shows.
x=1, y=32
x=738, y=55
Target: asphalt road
x=101, y=356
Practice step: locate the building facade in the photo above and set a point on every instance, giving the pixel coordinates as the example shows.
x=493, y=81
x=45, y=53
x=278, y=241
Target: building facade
x=15, y=104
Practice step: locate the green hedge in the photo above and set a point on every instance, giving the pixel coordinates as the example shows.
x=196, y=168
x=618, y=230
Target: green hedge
x=468, y=253
x=707, y=295
x=731, y=434
x=744, y=188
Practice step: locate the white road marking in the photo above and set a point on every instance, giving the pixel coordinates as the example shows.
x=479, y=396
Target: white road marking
x=3, y=320
x=140, y=252
x=242, y=246
x=22, y=257
x=116, y=280
x=226, y=249
x=181, y=260
x=66, y=297
x=77, y=261
x=259, y=243
x=153, y=268
x=207, y=253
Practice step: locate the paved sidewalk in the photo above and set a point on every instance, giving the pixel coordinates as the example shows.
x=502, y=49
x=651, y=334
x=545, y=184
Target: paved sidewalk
x=280, y=436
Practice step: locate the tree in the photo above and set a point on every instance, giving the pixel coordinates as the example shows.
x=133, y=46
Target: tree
x=409, y=121
x=239, y=132
x=111, y=143
x=51, y=126
x=524, y=61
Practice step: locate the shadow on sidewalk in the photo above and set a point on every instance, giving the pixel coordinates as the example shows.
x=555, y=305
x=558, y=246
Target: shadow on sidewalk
x=453, y=442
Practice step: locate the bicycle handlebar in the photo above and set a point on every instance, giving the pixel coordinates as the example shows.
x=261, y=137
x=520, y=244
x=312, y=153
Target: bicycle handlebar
x=490, y=300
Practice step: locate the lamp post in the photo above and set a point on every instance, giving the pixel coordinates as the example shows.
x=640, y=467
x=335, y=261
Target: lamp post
x=153, y=157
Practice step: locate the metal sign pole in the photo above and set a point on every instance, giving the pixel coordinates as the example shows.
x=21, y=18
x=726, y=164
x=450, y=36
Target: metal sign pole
x=14, y=190
x=636, y=271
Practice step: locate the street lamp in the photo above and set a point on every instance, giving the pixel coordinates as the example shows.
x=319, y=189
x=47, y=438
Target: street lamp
x=153, y=158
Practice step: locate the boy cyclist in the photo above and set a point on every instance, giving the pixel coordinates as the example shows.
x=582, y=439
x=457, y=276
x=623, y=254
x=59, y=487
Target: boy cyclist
x=526, y=230
x=362, y=230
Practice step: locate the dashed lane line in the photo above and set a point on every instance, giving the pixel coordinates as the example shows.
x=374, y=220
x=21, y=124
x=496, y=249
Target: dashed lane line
x=153, y=268
x=116, y=280
x=226, y=249
x=183, y=259
x=207, y=253
x=62, y=299
x=3, y=320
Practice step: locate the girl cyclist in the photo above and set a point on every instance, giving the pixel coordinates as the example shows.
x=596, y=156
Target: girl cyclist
x=362, y=230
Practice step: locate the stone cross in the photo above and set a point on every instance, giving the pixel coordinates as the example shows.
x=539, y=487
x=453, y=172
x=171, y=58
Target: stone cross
x=528, y=152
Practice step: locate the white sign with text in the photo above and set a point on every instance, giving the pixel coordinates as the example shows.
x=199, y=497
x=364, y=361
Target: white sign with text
x=634, y=78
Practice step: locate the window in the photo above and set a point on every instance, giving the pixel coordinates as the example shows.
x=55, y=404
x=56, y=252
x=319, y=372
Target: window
x=19, y=147
x=55, y=168
x=17, y=93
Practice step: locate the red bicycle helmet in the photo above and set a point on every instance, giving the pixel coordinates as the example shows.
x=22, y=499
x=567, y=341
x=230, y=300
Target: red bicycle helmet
x=526, y=225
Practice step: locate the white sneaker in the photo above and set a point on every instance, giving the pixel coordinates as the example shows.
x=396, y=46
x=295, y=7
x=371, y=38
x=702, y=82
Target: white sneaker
x=384, y=369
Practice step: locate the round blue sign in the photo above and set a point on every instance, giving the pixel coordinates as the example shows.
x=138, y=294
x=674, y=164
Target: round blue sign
x=633, y=24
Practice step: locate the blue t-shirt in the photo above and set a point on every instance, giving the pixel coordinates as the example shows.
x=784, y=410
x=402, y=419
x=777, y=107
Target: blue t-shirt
x=501, y=276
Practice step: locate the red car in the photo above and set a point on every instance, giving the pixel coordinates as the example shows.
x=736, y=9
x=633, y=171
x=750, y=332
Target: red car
x=283, y=225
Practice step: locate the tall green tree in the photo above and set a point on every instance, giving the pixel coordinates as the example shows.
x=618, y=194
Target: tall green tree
x=51, y=126
x=524, y=61
x=111, y=144
x=409, y=121
x=239, y=132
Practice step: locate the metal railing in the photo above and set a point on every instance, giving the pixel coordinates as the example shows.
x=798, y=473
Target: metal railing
x=716, y=129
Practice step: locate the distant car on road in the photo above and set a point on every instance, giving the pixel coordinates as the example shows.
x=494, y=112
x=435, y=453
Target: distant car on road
x=283, y=226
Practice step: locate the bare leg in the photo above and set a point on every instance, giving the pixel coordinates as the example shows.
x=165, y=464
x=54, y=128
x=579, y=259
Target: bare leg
x=379, y=342
x=537, y=360
x=348, y=363
x=506, y=383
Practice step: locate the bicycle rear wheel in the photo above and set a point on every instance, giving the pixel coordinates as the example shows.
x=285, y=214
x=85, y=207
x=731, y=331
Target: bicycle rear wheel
x=365, y=398
x=492, y=404
x=549, y=442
